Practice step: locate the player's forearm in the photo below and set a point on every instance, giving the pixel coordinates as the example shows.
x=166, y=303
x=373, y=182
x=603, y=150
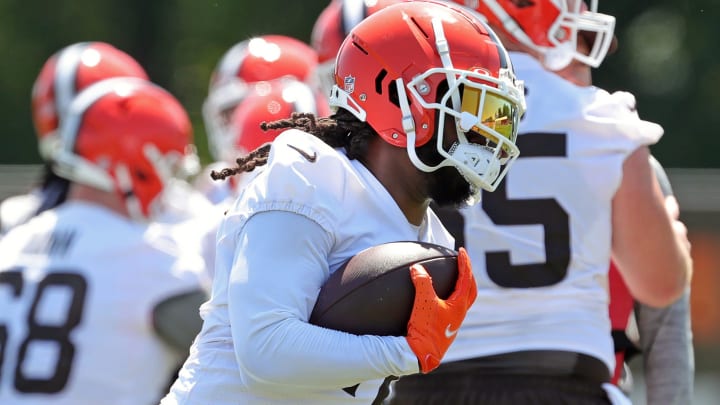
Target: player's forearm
x=271, y=294
x=668, y=356
x=651, y=254
x=294, y=355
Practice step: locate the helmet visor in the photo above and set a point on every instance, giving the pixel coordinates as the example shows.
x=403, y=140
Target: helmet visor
x=490, y=115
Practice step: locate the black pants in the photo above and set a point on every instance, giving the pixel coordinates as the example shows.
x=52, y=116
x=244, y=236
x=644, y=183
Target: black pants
x=558, y=378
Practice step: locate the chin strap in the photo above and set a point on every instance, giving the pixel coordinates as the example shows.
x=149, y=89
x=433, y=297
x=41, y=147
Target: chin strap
x=408, y=125
x=444, y=51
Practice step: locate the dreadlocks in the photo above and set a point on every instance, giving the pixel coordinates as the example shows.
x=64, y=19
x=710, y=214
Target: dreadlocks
x=341, y=129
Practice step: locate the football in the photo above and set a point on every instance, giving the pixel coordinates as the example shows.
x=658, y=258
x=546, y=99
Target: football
x=373, y=294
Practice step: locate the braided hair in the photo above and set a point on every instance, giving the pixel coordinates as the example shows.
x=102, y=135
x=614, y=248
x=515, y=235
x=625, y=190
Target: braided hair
x=341, y=129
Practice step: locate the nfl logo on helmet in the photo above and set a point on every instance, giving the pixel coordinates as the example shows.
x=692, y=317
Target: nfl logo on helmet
x=349, y=84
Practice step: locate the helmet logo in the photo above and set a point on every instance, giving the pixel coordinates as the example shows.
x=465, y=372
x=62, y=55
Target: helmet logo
x=349, y=84
x=480, y=70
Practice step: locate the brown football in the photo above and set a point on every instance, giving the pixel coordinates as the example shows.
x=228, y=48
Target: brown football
x=372, y=293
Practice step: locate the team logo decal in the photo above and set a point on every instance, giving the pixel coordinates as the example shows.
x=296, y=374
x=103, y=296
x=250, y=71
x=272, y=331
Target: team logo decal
x=349, y=84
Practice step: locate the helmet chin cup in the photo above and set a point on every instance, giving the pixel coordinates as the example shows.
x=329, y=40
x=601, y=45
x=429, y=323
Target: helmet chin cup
x=478, y=161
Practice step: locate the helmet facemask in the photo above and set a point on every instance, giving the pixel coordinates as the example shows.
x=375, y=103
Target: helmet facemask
x=551, y=28
x=576, y=17
x=486, y=121
x=146, y=193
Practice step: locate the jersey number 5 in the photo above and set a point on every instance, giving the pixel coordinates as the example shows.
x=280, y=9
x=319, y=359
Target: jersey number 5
x=545, y=211
x=38, y=331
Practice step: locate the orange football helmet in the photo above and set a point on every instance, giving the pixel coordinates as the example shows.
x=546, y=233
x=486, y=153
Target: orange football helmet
x=261, y=58
x=271, y=101
x=408, y=67
x=127, y=136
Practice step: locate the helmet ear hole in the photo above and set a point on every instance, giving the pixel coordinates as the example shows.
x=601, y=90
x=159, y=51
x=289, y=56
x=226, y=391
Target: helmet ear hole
x=393, y=94
x=378, y=81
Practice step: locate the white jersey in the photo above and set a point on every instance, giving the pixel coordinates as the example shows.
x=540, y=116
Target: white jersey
x=305, y=214
x=78, y=285
x=540, y=244
x=192, y=216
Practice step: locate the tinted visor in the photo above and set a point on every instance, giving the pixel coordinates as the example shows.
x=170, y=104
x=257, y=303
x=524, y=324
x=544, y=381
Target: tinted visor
x=495, y=116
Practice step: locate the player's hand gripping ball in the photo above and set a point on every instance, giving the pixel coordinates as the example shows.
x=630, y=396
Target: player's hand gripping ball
x=434, y=322
x=413, y=289
x=373, y=293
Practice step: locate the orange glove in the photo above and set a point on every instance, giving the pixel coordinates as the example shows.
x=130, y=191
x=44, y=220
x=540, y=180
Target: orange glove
x=434, y=322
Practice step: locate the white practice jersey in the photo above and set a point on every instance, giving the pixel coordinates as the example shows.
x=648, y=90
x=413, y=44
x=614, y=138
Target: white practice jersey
x=540, y=244
x=305, y=214
x=78, y=285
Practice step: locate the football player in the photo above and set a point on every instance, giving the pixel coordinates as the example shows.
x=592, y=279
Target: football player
x=61, y=78
x=96, y=305
x=63, y=75
x=582, y=191
x=415, y=83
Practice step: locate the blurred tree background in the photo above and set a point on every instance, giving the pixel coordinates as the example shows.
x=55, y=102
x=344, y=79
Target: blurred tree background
x=665, y=58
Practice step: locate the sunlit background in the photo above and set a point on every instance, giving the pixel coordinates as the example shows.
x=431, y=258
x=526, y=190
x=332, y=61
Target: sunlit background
x=668, y=57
